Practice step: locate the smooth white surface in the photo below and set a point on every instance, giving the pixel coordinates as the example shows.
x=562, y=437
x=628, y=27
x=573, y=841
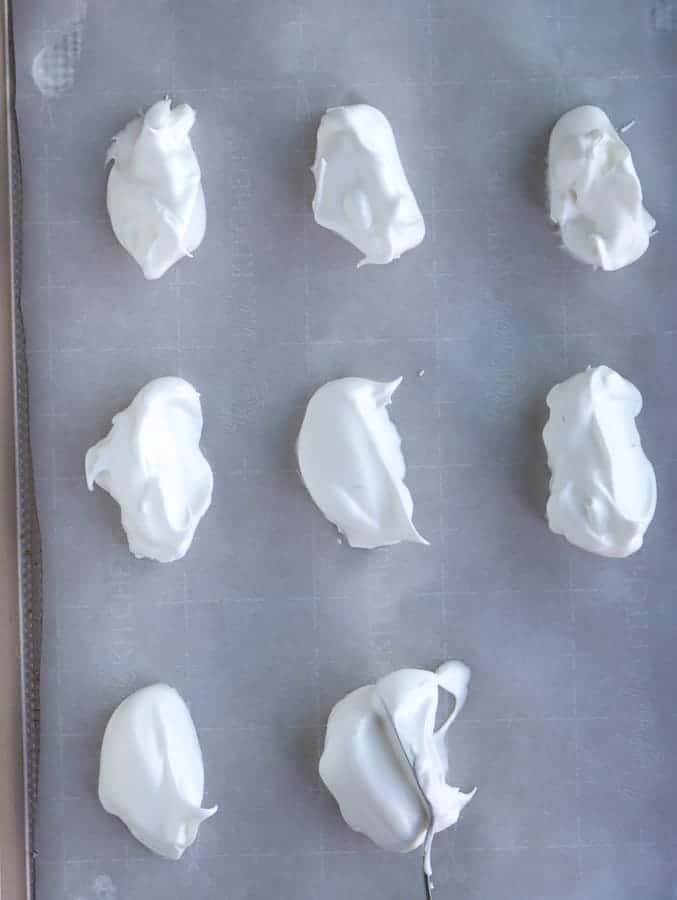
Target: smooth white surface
x=151, y=773
x=151, y=463
x=155, y=198
x=603, y=488
x=361, y=190
x=594, y=191
x=350, y=461
x=385, y=764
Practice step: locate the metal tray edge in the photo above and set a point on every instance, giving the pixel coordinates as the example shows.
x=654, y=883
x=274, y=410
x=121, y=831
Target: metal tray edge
x=20, y=563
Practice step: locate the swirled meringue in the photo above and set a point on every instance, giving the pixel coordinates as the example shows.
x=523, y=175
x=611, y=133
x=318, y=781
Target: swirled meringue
x=603, y=488
x=155, y=198
x=594, y=192
x=151, y=773
x=385, y=763
x=362, y=192
x=350, y=461
x=151, y=463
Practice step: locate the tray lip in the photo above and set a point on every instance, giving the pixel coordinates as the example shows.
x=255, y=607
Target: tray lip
x=16, y=865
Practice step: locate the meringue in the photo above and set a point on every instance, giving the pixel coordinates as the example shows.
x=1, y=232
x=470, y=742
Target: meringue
x=155, y=198
x=151, y=463
x=361, y=190
x=385, y=764
x=594, y=192
x=351, y=463
x=603, y=488
x=151, y=773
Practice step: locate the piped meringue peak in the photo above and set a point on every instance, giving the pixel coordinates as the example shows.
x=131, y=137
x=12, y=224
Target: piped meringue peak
x=385, y=763
x=151, y=463
x=155, y=198
x=594, y=192
x=602, y=488
x=352, y=465
x=362, y=192
x=151, y=773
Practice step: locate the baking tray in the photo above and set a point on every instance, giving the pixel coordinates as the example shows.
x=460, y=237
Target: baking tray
x=570, y=727
x=20, y=582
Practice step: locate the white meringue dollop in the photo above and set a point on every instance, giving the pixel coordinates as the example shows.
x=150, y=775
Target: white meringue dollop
x=602, y=488
x=155, y=198
x=151, y=773
x=151, y=463
x=362, y=192
x=352, y=465
x=385, y=763
x=594, y=192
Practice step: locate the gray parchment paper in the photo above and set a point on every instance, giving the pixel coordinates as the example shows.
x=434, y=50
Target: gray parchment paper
x=570, y=727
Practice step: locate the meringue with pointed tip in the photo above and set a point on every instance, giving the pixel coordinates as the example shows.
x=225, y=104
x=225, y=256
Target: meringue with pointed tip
x=594, y=191
x=352, y=465
x=602, y=488
x=154, y=197
x=361, y=190
x=151, y=463
x=385, y=763
x=151, y=773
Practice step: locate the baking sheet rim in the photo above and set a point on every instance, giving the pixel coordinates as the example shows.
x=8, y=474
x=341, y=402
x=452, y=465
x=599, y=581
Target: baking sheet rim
x=19, y=536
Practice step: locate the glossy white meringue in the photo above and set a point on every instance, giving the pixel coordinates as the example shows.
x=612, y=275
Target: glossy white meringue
x=594, y=192
x=603, y=488
x=362, y=192
x=151, y=463
x=155, y=198
x=385, y=764
x=351, y=462
x=151, y=773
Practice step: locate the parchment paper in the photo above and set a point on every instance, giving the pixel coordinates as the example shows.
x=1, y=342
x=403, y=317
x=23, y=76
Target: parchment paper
x=570, y=727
